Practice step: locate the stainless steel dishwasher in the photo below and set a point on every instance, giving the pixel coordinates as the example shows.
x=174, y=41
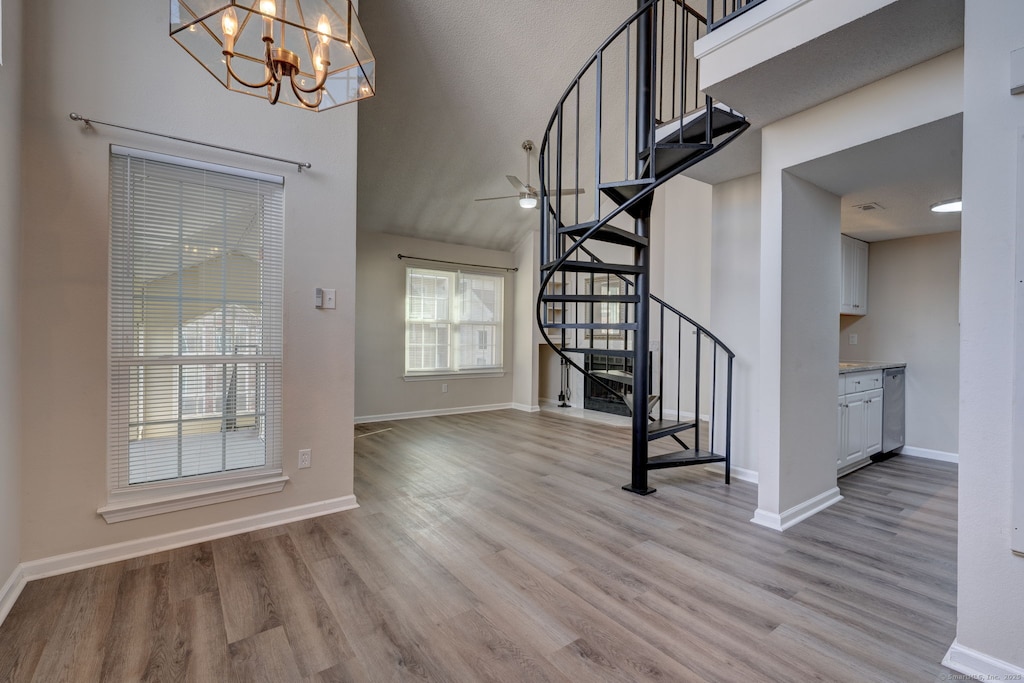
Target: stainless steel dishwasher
x=894, y=408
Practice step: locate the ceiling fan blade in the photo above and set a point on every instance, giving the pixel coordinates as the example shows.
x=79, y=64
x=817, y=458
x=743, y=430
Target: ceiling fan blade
x=575, y=190
x=487, y=199
x=518, y=184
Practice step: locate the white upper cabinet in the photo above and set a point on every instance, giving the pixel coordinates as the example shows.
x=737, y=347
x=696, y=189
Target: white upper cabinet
x=854, y=298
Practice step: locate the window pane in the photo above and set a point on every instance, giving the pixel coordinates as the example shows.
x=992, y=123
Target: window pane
x=427, y=346
x=196, y=262
x=469, y=342
x=478, y=346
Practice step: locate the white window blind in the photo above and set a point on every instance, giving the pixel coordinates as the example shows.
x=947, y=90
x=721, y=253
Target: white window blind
x=453, y=322
x=196, y=289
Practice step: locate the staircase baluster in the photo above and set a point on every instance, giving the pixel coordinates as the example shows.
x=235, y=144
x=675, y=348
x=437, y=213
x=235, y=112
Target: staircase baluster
x=625, y=119
x=576, y=177
x=661, y=364
x=598, y=121
x=696, y=396
x=714, y=399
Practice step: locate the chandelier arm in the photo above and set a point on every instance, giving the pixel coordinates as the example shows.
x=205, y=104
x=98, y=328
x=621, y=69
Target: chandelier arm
x=272, y=77
x=298, y=94
x=277, y=92
x=321, y=79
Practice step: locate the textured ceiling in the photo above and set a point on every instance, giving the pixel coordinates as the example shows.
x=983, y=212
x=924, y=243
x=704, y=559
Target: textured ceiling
x=904, y=174
x=460, y=85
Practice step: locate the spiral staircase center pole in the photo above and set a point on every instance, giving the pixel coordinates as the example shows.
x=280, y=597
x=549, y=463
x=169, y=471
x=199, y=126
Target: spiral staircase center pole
x=641, y=340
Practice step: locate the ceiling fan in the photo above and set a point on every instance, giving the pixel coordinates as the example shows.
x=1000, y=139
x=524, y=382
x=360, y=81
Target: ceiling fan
x=527, y=193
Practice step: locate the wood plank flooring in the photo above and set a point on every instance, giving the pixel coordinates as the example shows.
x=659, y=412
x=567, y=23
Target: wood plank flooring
x=499, y=547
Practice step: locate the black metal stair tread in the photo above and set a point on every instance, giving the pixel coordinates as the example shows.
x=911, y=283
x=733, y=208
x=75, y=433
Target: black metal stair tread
x=595, y=267
x=663, y=428
x=622, y=191
x=593, y=326
x=694, y=126
x=592, y=298
x=619, y=376
x=686, y=146
x=607, y=233
x=618, y=353
x=683, y=458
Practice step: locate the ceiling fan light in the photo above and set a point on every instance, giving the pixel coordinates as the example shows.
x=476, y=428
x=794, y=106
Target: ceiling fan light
x=527, y=200
x=948, y=206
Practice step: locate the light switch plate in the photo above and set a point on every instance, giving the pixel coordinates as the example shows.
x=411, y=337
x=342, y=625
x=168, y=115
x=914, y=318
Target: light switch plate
x=330, y=298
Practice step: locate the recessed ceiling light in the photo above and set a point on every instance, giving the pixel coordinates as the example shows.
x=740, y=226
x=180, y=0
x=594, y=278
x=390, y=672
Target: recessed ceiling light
x=948, y=206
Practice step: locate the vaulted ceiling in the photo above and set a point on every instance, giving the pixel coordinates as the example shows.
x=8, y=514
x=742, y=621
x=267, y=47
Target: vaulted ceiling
x=461, y=84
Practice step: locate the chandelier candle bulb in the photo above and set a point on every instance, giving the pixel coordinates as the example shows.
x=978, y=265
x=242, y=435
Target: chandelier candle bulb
x=269, y=9
x=323, y=27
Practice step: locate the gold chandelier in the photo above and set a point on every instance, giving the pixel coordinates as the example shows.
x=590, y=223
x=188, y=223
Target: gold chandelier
x=310, y=54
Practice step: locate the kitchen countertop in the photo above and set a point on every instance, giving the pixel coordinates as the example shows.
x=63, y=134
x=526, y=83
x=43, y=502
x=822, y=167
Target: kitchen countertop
x=863, y=365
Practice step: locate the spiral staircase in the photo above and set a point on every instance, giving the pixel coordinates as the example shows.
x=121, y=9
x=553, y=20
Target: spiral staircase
x=632, y=119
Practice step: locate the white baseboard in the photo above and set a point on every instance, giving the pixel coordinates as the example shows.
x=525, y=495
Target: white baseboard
x=917, y=452
x=980, y=665
x=526, y=408
x=83, y=559
x=11, y=590
x=797, y=513
x=736, y=472
x=433, y=413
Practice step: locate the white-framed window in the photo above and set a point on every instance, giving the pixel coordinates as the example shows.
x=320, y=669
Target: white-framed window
x=453, y=322
x=196, y=338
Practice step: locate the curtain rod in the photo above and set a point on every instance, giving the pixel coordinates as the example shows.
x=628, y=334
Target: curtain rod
x=456, y=263
x=88, y=122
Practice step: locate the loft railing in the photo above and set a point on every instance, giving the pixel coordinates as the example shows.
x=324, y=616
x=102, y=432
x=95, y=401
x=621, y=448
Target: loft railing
x=722, y=11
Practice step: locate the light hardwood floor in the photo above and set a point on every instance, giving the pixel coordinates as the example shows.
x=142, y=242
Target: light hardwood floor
x=499, y=547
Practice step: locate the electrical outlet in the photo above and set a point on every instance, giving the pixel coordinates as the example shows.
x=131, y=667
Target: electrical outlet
x=853, y=340
x=444, y=388
x=305, y=458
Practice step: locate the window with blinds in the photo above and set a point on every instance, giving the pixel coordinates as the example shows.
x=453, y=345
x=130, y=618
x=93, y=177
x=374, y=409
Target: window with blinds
x=196, y=289
x=453, y=322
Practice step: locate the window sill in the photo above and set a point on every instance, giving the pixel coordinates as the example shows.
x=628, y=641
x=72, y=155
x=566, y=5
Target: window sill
x=135, y=504
x=484, y=374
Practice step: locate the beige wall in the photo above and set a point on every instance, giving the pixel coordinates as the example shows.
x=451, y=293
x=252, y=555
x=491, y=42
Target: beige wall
x=136, y=76
x=380, y=337
x=10, y=102
x=913, y=299
x=526, y=354
x=809, y=349
x=735, y=253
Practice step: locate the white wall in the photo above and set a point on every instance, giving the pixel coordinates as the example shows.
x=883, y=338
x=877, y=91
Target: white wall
x=681, y=227
x=927, y=92
x=380, y=336
x=10, y=103
x=114, y=61
x=735, y=269
x=525, y=361
x=913, y=301
x=991, y=579
x=810, y=349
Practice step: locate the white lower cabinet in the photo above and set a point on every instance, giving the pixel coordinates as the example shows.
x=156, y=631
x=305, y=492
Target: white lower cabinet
x=860, y=428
